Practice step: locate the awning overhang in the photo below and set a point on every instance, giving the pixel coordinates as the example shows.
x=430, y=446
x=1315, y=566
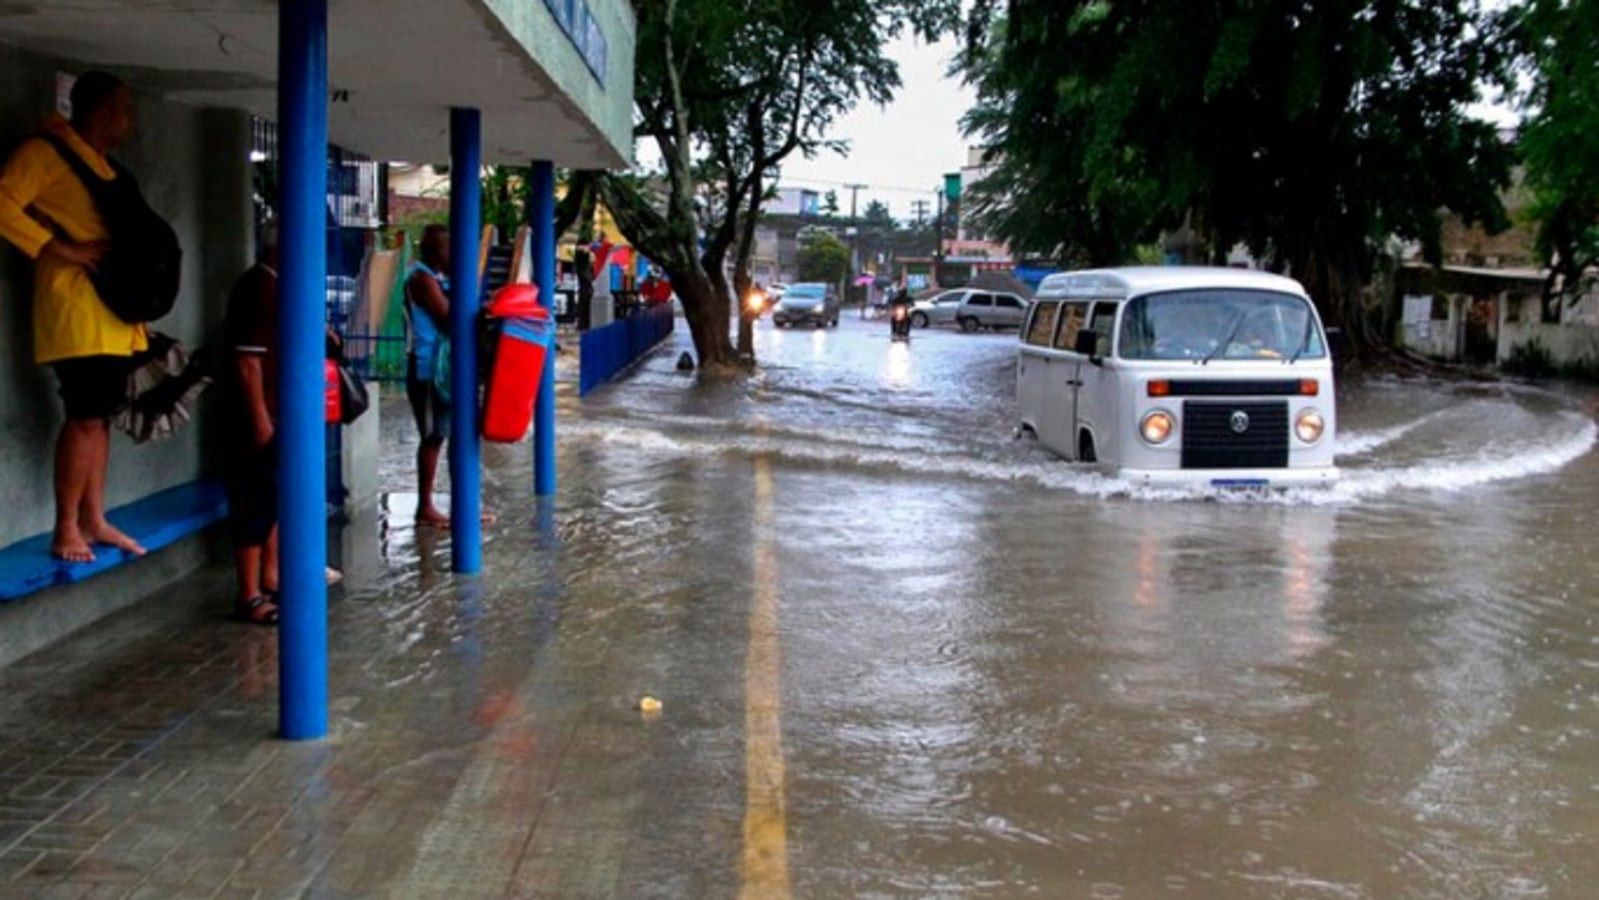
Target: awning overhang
x=396, y=67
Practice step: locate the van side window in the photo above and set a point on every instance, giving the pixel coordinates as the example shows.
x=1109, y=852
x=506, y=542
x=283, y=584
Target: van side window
x=1042, y=328
x=1072, y=317
x=1006, y=301
x=981, y=300
x=1103, y=324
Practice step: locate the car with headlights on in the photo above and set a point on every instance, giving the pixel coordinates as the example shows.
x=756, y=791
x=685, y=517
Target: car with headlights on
x=807, y=303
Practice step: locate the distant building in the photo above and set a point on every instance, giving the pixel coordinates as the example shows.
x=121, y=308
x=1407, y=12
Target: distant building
x=417, y=190
x=970, y=240
x=791, y=201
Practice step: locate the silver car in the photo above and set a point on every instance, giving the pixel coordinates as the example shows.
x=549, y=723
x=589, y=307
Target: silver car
x=971, y=310
x=811, y=303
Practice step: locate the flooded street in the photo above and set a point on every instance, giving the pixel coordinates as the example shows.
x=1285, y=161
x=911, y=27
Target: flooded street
x=992, y=674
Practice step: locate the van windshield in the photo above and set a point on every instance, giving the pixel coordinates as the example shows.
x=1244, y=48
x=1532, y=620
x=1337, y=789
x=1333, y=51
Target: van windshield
x=1219, y=323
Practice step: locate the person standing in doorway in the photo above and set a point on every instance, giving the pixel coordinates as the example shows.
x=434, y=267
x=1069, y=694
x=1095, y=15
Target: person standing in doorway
x=48, y=214
x=427, y=318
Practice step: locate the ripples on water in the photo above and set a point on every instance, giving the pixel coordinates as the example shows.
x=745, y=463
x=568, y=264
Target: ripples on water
x=1394, y=436
x=1336, y=692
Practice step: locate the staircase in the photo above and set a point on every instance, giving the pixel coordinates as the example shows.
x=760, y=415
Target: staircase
x=497, y=269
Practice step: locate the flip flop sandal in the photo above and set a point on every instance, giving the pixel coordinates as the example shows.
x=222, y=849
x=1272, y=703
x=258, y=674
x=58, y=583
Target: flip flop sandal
x=258, y=611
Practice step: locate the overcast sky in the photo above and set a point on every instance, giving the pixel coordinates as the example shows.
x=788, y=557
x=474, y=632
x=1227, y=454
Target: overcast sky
x=902, y=150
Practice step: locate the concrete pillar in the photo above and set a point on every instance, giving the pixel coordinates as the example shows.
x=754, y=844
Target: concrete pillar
x=466, y=217
x=228, y=215
x=302, y=439
x=541, y=216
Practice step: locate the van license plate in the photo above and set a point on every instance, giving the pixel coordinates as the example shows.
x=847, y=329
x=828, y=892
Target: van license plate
x=1240, y=482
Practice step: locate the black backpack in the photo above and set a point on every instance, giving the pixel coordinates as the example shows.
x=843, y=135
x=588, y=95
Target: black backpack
x=138, y=277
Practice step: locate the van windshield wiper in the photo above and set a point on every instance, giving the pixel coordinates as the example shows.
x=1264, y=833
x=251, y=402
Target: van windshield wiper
x=1227, y=341
x=1304, y=340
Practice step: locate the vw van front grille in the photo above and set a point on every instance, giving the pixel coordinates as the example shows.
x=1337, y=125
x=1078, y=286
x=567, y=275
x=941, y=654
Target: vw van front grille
x=1213, y=438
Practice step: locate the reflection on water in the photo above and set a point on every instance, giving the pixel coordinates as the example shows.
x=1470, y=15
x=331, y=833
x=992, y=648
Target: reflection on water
x=1000, y=675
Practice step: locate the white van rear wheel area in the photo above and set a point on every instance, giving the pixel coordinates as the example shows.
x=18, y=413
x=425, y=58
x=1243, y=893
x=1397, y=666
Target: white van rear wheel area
x=1085, y=448
x=970, y=325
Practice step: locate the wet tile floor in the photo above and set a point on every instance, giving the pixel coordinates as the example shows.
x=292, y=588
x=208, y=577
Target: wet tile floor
x=486, y=742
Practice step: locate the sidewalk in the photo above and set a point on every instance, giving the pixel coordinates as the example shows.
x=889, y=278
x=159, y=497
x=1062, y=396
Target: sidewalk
x=486, y=740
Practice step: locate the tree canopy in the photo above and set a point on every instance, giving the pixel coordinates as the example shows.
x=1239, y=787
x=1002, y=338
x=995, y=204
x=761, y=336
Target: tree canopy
x=1560, y=137
x=822, y=257
x=726, y=90
x=1308, y=132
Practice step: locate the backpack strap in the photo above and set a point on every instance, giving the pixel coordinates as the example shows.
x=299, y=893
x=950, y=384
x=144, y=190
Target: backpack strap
x=92, y=182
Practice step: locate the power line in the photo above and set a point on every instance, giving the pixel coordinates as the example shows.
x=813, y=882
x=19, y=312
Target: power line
x=845, y=184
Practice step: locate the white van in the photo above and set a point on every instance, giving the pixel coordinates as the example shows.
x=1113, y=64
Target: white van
x=1180, y=375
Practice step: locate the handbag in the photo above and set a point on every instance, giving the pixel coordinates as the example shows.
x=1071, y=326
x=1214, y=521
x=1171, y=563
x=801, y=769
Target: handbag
x=441, y=369
x=353, y=397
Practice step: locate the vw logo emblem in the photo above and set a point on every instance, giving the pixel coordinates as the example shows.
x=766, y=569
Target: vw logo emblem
x=1239, y=421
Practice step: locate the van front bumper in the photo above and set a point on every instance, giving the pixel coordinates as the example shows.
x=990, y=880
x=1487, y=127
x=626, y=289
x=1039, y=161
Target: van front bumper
x=1245, y=479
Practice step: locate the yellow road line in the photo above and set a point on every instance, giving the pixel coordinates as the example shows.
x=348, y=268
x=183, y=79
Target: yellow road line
x=764, y=868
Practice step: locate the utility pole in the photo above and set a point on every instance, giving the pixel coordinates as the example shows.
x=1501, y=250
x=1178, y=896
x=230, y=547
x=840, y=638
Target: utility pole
x=938, y=231
x=920, y=207
x=854, y=240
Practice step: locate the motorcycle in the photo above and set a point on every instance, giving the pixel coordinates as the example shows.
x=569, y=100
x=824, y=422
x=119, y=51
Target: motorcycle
x=899, y=327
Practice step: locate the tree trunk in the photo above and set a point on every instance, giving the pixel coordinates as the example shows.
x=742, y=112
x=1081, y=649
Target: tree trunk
x=1330, y=267
x=707, y=318
x=742, y=283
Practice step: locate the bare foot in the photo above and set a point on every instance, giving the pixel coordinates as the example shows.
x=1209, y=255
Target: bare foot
x=334, y=576
x=106, y=533
x=71, y=548
x=488, y=518
x=431, y=518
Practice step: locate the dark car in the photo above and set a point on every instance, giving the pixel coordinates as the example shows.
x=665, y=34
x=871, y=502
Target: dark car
x=810, y=303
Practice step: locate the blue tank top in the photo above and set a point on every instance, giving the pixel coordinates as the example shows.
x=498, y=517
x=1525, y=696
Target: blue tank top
x=422, y=333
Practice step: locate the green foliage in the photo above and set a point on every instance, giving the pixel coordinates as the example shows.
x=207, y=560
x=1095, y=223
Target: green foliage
x=876, y=217
x=822, y=257
x=1305, y=131
x=504, y=202
x=1560, y=138
x=1532, y=359
x=830, y=203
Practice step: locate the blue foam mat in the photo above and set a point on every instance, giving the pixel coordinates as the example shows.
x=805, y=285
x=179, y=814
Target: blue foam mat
x=157, y=521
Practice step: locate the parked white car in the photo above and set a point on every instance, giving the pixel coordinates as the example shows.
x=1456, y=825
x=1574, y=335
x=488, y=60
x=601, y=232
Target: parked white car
x=971, y=310
x=1176, y=374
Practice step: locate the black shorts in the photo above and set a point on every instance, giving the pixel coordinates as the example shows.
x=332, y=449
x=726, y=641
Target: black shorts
x=93, y=387
x=428, y=406
x=252, y=490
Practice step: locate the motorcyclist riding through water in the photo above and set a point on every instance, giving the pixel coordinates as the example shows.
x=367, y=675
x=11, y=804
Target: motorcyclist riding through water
x=899, y=315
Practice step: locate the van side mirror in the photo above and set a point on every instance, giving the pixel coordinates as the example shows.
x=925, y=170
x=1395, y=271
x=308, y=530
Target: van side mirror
x=1087, y=344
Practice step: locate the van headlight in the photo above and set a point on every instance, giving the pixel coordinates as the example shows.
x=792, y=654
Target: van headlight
x=1309, y=426
x=1157, y=427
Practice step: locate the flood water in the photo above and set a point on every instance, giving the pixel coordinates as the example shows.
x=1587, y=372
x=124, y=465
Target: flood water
x=940, y=662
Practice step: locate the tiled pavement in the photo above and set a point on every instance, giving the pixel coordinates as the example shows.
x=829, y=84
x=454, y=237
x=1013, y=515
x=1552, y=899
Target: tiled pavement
x=485, y=737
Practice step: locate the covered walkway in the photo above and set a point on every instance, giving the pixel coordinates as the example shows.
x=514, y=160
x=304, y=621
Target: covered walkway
x=470, y=82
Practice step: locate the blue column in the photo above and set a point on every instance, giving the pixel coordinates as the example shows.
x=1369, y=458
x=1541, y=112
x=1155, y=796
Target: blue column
x=541, y=212
x=466, y=218
x=302, y=298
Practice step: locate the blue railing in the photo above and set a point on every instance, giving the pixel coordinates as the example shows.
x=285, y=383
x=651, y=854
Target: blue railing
x=609, y=350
